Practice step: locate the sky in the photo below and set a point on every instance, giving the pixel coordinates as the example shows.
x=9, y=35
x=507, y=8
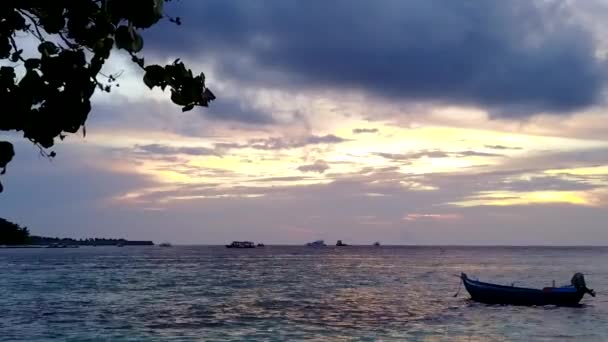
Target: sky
x=404, y=122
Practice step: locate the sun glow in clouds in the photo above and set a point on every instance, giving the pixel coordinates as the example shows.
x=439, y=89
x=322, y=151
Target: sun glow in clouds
x=258, y=161
x=340, y=143
x=510, y=198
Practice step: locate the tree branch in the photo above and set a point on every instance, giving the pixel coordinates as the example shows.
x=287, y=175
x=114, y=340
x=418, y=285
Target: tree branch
x=15, y=47
x=43, y=153
x=33, y=20
x=69, y=44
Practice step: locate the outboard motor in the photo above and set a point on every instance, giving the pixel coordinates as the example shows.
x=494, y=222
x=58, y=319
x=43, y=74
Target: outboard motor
x=578, y=281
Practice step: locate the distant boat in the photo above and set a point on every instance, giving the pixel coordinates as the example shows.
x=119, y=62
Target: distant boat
x=500, y=294
x=261, y=245
x=241, y=244
x=341, y=244
x=165, y=244
x=318, y=243
x=377, y=244
x=120, y=244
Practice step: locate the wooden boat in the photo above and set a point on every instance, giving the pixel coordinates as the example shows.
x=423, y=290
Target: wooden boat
x=488, y=293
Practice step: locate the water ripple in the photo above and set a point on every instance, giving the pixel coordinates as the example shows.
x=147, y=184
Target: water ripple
x=287, y=293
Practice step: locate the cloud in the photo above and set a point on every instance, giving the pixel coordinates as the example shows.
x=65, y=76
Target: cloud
x=279, y=179
x=514, y=57
x=545, y=183
x=502, y=147
x=69, y=193
x=365, y=130
x=545, y=160
x=474, y=154
x=324, y=139
x=236, y=110
x=412, y=155
x=434, y=154
x=433, y=217
x=170, y=150
x=429, y=220
x=280, y=143
x=319, y=166
x=195, y=171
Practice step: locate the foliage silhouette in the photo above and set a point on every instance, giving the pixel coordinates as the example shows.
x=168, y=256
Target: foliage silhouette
x=13, y=234
x=46, y=93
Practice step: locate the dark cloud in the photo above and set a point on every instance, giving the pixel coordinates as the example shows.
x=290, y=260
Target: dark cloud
x=164, y=149
x=235, y=110
x=279, y=179
x=502, y=147
x=319, y=166
x=365, y=130
x=474, y=154
x=514, y=57
x=323, y=139
x=548, y=183
x=413, y=155
x=197, y=171
x=279, y=143
x=556, y=159
x=404, y=157
x=121, y=114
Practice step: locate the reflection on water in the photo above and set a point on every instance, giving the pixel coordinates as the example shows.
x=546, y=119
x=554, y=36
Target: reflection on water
x=287, y=293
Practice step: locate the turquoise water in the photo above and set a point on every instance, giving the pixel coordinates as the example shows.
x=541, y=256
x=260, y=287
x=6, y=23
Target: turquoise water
x=290, y=293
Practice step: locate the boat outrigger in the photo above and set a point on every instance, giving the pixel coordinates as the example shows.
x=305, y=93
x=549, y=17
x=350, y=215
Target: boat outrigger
x=488, y=293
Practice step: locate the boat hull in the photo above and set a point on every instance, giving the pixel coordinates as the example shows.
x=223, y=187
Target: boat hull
x=510, y=295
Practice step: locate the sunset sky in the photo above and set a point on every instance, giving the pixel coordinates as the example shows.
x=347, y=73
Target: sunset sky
x=405, y=122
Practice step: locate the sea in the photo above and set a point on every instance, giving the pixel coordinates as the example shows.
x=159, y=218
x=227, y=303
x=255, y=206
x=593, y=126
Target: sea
x=291, y=293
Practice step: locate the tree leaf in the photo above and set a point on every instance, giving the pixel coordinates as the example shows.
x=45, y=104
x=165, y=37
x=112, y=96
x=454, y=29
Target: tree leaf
x=123, y=38
x=32, y=63
x=207, y=97
x=154, y=76
x=6, y=154
x=178, y=98
x=137, y=42
x=128, y=39
x=5, y=47
x=16, y=55
x=48, y=48
x=143, y=13
x=157, y=8
x=53, y=20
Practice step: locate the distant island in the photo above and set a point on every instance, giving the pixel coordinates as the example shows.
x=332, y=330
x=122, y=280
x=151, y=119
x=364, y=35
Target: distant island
x=12, y=234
